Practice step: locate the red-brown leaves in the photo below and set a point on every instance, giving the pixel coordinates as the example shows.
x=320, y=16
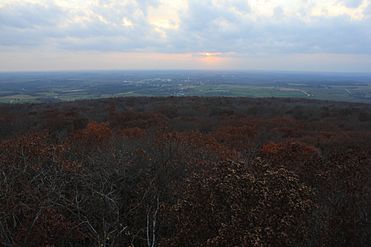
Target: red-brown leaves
x=29, y=150
x=208, y=171
x=94, y=133
x=289, y=150
x=196, y=145
x=133, y=133
x=237, y=138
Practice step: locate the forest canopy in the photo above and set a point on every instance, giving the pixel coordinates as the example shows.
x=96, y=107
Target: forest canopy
x=185, y=171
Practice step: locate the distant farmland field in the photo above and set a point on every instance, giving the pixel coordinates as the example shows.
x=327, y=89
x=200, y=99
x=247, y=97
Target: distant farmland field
x=70, y=86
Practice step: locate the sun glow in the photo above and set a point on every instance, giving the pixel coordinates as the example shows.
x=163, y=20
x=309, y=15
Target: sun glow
x=211, y=59
x=211, y=54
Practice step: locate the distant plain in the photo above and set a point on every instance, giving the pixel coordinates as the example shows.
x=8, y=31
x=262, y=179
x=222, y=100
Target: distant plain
x=39, y=87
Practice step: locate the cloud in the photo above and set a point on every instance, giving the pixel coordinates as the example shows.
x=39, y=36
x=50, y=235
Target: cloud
x=351, y=3
x=28, y=16
x=367, y=10
x=219, y=29
x=229, y=26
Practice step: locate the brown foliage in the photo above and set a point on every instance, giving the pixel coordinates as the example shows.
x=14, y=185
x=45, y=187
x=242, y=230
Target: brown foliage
x=232, y=203
x=289, y=151
x=94, y=133
x=133, y=133
x=185, y=172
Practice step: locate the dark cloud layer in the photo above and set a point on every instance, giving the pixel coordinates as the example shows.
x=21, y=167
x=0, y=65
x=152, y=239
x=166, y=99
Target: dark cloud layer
x=203, y=26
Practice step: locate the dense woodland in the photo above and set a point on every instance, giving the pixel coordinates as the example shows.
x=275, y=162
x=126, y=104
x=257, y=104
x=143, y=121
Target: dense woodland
x=185, y=171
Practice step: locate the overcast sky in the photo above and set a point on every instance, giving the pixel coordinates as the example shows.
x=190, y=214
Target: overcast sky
x=311, y=35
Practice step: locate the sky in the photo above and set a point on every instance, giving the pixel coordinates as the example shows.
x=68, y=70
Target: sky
x=285, y=35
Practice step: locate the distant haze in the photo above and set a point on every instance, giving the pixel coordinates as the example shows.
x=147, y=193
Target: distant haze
x=302, y=35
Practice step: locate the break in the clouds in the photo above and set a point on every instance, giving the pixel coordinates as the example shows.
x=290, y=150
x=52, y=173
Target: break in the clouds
x=237, y=30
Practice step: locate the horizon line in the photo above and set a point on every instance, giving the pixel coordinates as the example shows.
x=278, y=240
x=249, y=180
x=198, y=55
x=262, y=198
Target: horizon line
x=185, y=70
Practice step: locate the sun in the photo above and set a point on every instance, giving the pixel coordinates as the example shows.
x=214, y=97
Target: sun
x=211, y=54
x=211, y=59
